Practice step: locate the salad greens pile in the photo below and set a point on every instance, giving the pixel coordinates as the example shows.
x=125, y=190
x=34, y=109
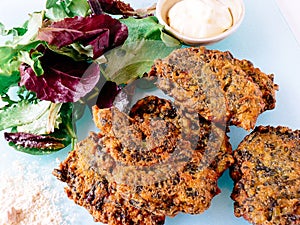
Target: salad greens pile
x=64, y=57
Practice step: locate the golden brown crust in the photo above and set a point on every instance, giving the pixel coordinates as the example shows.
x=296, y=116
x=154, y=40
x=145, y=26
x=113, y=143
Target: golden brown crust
x=266, y=175
x=145, y=137
x=94, y=192
x=174, y=171
x=216, y=85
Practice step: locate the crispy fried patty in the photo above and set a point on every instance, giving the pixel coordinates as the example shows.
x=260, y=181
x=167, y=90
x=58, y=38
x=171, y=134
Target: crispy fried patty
x=92, y=190
x=266, y=176
x=216, y=85
x=142, y=167
x=148, y=135
x=163, y=159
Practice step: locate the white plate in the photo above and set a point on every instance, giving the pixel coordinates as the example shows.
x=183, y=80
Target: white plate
x=264, y=38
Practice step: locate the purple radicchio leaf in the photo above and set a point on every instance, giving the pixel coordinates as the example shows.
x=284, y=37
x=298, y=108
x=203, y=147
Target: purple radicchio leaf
x=102, y=32
x=107, y=95
x=64, y=80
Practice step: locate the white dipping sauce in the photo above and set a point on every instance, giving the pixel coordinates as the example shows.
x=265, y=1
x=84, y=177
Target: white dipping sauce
x=200, y=18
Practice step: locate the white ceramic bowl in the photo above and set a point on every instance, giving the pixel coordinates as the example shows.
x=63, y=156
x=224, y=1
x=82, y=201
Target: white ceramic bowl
x=237, y=8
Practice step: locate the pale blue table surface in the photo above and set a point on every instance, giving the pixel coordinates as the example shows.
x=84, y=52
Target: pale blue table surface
x=263, y=38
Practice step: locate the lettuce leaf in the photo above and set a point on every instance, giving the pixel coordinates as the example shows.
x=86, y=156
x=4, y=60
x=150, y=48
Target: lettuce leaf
x=43, y=144
x=58, y=10
x=8, y=80
x=22, y=113
x=34, y=144
x=12, y=55
x=146, y=42
x=148, y=28
x=63, y=80
x=46, y=123
x=26, y=34
x=102, y=32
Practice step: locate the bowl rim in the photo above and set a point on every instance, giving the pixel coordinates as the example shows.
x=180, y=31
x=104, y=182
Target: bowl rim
x=192, y=40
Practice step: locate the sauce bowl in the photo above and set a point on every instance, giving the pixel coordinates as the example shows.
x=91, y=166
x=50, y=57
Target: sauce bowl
x=235, y=7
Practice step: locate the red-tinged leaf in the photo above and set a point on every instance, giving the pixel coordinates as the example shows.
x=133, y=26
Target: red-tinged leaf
x=116, y=7
x=95, y=7
x=102, y=32
x=107, y=95
x=32, y=141
x=64, y=80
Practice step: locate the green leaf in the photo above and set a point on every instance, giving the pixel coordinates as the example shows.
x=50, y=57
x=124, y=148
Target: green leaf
x=2, y=29
x=9, y=54
x=46, y=123
x=133, y=59
x=58, y=10
x=6, y=54
x=12, y=55
x=148, y=28
x=169, y=40
x=54, y=117
x=50, y=3
x=63, y=135
x=142, y=29
x=10, y=61
x=16, y=31
x=8, y=80
x=22, y=113
x=67, y=129
x=79, y=7
x=56, y=13
x=34, y=23
x=32, y=60
x=74, y=51
x=146, y=42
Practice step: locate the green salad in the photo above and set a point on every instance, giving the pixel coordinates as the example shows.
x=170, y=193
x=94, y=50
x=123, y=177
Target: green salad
x=71, y=55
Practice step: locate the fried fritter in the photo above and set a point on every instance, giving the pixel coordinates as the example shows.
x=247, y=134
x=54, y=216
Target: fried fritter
x=147, y=136
x=216, y=85
x=163, y=160
x=266, y=176
x=92, y=190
